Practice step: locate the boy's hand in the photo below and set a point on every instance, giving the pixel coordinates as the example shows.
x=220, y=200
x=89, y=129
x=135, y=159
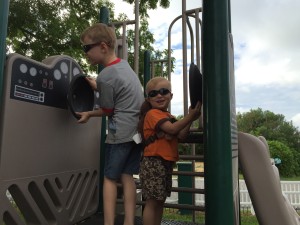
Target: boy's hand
x=196, y=111
x=92, y=82
x=84, y=117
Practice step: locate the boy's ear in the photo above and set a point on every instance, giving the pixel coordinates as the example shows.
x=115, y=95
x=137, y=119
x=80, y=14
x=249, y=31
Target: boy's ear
x=104, y=46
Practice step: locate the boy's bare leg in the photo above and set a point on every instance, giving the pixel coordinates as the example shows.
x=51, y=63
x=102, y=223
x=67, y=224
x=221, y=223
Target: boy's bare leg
x=153, y=212
x=109, y=200
x=129, y=191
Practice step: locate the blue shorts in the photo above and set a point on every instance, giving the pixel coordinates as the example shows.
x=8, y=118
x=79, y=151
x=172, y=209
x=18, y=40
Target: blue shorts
x=122, y=158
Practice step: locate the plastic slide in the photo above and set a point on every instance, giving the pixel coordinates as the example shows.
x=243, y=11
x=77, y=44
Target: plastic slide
x=263, y=183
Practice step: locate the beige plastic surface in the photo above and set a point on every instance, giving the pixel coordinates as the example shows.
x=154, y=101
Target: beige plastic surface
x=263, y=183
x=49, y=164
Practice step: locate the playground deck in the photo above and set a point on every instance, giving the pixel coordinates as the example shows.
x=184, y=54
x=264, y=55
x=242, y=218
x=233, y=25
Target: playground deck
x=98, y=220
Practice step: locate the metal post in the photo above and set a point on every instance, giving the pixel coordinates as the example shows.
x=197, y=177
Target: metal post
x=217, y=131
x=137, y=37
x=184, y=58
x=4, y=9
x=103, y=18
x=185, y=182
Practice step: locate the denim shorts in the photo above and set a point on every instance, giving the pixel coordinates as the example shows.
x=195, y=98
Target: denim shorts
x=122, y=158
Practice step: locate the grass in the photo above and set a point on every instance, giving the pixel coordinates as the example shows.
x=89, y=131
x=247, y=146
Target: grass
x=173, y=214
x=281, y=178
x=290, y=178
x=248, y=219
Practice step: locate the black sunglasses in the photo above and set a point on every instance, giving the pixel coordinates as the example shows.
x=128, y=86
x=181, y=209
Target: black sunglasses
x=87, y=48
x=162, y=91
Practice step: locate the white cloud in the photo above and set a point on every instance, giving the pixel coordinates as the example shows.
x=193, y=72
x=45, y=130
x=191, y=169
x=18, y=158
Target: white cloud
x=266, y=38
x=267, y=53
x=177, y=107
x=296, y=120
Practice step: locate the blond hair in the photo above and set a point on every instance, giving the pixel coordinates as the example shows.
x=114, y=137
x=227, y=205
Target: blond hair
x=146, y=106
x=154, y=81
x=98, y=33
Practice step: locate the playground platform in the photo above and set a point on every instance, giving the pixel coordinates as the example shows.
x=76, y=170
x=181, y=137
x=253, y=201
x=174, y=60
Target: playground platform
x=97, y=219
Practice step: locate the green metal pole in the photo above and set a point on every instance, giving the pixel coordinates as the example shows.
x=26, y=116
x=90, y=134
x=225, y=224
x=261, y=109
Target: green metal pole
x=103, y=18
x=4, y=9
x=217, y=130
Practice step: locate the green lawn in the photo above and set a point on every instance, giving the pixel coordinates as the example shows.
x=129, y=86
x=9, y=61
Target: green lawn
x=174, y=214
x=248, y=219
x=281, y=178
x=290, y=178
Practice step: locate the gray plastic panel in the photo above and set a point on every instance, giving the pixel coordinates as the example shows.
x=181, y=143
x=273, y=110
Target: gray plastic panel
x=49, y=164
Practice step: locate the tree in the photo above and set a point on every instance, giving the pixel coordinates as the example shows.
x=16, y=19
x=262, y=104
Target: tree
x=149, y=4
x=283, y=138
x=289, y=165
x=50, y=27
x=41, y=28
x=271, y=126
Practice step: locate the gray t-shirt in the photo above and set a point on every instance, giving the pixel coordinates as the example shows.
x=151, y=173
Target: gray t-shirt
x=121, y=91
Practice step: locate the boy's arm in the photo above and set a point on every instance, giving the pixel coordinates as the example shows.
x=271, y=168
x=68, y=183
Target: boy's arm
x=184, y=132
x=85, y=116
x=184, y=123
x=92, y=82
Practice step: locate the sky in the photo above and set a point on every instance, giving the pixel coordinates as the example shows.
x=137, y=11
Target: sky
x=266, y=38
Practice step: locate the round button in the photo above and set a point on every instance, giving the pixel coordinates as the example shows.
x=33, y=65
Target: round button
x=64, y=67
x=57, y=74
x=23, y=68
x=33, y=71
x=75, y=71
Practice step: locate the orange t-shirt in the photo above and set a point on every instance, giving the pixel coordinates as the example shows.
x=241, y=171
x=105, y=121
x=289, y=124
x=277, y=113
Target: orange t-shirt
x=165, y=148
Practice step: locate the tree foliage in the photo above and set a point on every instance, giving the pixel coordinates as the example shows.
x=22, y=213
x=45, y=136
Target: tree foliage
x=289, y=165
x=283, y=138
x=144, y=5
x=271, y=126
x=42, y=28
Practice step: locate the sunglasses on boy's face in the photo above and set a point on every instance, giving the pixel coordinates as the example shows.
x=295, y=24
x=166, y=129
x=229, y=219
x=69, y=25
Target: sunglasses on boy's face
x=87, y=48
x=162, y=91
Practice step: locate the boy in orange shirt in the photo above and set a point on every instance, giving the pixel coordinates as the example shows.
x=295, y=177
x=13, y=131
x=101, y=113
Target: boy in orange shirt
x=160, y=132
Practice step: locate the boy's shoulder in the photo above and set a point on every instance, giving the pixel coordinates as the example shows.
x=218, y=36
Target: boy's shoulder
x=160, y=113
x=153, y=110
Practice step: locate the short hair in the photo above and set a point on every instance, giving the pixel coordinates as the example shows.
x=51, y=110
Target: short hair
x=100, y=32
x=154, y=81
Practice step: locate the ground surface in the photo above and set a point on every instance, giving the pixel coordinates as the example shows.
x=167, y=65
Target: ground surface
x=98, y=220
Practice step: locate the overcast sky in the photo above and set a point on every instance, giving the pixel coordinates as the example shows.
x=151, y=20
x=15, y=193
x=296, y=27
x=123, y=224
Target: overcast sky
x=266, y=38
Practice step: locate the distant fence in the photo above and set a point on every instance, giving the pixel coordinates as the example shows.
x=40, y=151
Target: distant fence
x=291, y=189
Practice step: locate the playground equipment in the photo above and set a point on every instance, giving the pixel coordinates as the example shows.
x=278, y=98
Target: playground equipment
x=80, y=95
x=57, y=194
x=263, y=183
x=46, y=167
x=49, y=166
